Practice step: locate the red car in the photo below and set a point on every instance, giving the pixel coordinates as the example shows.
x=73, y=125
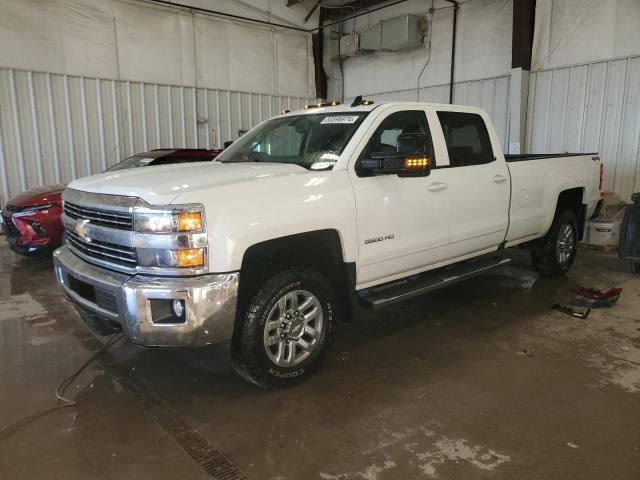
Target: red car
x=31, y=221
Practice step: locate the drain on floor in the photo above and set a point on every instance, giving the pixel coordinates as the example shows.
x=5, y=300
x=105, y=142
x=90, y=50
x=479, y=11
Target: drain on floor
x=215, y=463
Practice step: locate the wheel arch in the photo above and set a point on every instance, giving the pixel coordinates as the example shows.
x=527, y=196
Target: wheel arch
x=572, y=199
x=320, y=249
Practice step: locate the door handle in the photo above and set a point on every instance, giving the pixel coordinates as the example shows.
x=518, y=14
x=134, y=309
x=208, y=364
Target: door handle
x=437, y=186
x=499, y=179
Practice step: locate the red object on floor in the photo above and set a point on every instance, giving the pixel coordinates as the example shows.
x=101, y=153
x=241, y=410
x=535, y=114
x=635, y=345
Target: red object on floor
x=594, y=293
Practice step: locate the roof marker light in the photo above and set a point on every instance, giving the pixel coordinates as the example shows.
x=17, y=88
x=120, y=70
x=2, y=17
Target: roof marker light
x=319, y=105
x=359, y=101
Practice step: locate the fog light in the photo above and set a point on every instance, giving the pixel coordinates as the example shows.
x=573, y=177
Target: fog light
x=178, y=308
x=190, y=257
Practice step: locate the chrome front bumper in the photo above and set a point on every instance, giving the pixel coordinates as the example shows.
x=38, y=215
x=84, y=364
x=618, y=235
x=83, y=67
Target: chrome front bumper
x=210, y=301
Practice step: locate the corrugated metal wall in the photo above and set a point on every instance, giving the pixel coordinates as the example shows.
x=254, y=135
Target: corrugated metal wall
x=590, y=108
x=55, y=128
x=491, y=94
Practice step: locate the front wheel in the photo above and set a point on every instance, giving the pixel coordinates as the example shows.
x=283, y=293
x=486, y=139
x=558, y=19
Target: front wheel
x=554, y=254
x=286, y=328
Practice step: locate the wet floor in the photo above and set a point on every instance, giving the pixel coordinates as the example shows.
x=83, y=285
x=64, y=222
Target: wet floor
x=482, y=380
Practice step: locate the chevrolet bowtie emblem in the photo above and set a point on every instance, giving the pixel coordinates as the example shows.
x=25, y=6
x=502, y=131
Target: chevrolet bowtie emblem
x=81, y=230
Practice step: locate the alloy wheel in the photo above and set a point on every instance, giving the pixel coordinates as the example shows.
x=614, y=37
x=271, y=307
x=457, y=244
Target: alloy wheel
x=566, y=244
x=293, y=328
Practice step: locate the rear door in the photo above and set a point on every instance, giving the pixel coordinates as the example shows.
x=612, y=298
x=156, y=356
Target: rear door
x=478, y=182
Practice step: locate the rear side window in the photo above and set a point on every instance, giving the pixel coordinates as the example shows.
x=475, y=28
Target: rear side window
x=467, y=139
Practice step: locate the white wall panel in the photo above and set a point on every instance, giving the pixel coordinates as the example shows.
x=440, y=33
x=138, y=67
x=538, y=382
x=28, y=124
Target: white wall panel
x=141, y=42
x=590, y=108
x=64, y=36
x=568, y=32
x=154, y=45
x=55, y=128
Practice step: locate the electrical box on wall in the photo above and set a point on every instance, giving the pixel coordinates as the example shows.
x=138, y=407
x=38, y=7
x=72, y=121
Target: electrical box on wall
x=349, y=45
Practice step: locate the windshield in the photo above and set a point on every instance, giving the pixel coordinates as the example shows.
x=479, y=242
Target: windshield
x=311, y=141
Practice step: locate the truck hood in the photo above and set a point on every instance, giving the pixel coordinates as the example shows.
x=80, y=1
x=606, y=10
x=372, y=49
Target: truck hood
x=163, y=184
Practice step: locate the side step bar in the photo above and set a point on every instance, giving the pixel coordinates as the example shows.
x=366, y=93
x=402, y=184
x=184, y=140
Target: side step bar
x=388, y=294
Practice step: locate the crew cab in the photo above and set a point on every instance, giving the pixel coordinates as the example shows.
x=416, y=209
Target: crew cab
x=307, y=218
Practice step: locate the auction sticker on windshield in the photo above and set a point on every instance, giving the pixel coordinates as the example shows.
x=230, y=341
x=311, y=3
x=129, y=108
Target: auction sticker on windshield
x=341, y=119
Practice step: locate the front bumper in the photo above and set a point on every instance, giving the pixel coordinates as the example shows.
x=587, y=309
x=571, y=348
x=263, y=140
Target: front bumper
x=123, y=299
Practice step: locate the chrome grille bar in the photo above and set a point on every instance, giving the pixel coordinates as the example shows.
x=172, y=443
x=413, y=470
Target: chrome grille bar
x=106, y=218
x=115, y=254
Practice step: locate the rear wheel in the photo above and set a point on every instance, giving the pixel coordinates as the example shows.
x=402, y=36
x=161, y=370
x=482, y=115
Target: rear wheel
x=554, y=254
x=635, y=267
x=286, y=328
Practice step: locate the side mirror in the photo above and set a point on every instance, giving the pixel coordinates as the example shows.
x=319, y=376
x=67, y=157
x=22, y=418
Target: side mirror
x=413, y=158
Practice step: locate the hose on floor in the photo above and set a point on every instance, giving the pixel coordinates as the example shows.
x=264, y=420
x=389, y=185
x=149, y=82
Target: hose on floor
x=63, y=402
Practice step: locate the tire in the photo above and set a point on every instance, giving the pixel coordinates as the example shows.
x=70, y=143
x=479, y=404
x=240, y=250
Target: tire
x=635, y=267
x=272, y=345
x=554, y=254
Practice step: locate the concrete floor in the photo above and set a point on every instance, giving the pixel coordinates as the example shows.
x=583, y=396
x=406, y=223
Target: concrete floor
x=482, y=380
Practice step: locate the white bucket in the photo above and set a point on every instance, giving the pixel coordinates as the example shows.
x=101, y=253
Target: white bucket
x=604, y=232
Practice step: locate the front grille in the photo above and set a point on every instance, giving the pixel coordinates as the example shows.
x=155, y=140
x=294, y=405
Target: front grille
x=98, y=216
x=104, y=251
x=9, y=227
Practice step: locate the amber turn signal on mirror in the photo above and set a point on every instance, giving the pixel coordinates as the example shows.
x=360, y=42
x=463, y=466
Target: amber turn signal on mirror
x=417, y=162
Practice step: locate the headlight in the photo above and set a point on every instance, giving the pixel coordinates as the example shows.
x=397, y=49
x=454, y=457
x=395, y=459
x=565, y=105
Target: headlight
x=181, y=258
x=188, y=219
x=186, y=250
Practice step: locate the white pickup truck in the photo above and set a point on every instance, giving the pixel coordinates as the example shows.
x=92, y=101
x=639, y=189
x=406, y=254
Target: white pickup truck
x=308, y=217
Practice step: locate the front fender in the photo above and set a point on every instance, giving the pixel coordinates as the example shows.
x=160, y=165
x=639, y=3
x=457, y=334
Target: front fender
x=242, y=215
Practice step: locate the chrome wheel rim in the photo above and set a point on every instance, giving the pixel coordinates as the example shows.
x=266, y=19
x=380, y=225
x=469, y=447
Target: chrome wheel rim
x=566, y=244
x=293, y=328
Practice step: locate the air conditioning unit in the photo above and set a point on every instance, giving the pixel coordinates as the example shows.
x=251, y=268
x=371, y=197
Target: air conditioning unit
x=371, y=38
x=400, y=33
x=349, y=45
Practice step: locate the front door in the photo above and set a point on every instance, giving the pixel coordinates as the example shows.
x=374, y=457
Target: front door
x=402, y=222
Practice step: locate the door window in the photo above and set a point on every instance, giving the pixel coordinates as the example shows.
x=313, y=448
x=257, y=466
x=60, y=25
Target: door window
x=467, y=138
x=385, y=138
